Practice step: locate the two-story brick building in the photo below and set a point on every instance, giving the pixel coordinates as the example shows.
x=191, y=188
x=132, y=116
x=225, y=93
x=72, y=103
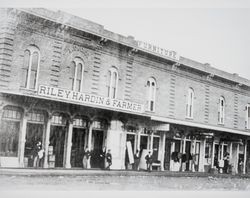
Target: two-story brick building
x=72, y=85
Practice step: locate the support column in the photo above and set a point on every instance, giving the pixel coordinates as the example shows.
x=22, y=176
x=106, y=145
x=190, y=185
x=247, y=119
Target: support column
x=222, y=151
x=151, y=142
x=237, y=158
x=202, y=157
x=22, y=140
x=90, y=136
x=46, y=143
x=245, y=157
x=69, y=144
x=212, y=157
x=230, y=153
x=138, y=140
x=163, y=150
x=172, y=149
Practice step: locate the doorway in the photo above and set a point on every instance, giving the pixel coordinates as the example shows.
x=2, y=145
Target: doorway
x=129, y=138
x=77, y=149
x=188, y=155
x=97, y=138
x=34, y=134
x=57, y=140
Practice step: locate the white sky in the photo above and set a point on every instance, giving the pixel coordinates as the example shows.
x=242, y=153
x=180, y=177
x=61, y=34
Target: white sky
x=215, y=31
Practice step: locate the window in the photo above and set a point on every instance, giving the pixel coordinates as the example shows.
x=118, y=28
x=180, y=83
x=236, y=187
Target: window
x=9, y=131
x=80, y=122
x=30, y=68
x=221, y=110
x=112, y=82
x=151, y=90
x=76, y=77
x=190, y=103
x=36, y=116
x=247, y=116
x=58, y=119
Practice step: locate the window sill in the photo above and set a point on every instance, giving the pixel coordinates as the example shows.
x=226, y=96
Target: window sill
x=148, y=111
x=221, y=124
x=189, y=118
x=27, y=90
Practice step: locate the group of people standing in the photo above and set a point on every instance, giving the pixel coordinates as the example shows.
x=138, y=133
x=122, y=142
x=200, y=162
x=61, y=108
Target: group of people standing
x=105, y=158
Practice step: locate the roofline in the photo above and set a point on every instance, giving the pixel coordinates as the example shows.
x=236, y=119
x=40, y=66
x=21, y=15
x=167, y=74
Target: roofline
x=133, y=44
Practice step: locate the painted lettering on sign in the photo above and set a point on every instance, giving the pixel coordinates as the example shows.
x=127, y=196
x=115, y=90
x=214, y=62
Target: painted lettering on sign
x=83, y=98
x=170, y=54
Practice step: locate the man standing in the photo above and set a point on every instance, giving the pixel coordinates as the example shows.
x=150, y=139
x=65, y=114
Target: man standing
x=109, y=159
x=149, y=161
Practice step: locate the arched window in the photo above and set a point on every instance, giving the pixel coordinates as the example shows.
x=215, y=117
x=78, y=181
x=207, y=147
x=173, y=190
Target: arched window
x=248, y=116
x=151, y=91
x=221, y=110
x=76, y=76
x=112, y=82
x=31, y=67
x=190, y=103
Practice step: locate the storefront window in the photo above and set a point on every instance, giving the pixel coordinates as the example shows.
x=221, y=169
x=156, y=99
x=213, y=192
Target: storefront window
x=9, y=131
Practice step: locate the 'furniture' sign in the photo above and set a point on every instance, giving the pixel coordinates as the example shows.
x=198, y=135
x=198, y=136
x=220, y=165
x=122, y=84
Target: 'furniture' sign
x=89, y=99
x=169, y=54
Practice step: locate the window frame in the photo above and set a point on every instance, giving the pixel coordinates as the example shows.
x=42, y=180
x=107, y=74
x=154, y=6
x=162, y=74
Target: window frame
x=221, y=111
x=151, y=94
x=190, y=103
x=111, y=74
x=77, y=61
x=247, y=121
x=32, y=50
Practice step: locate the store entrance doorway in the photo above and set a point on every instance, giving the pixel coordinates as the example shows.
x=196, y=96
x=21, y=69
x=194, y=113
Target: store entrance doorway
x=57, y=141
x=97, y=138
x=188, y=155
x=34, y=134
x=78, y=145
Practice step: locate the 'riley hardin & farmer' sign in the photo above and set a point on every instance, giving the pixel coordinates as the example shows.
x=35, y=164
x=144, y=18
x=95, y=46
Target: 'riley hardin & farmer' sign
x=89, y=99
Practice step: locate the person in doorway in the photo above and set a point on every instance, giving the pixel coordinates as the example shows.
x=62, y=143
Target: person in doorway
x=37, y=154
x=86, y=159
x=149, y=161
x=109, y=159
x=136, y=160
x=102, y=157
x=226, y=162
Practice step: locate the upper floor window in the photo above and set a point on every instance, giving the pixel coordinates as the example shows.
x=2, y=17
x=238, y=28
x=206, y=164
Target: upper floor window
x=247, y=116
x=76, y=77
x=151, y=90
x=190, y=103
x=31, y=67
x=221, y=111
x=112, y=82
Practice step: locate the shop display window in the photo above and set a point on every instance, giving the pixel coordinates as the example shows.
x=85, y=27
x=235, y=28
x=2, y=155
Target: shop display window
x=9, y=131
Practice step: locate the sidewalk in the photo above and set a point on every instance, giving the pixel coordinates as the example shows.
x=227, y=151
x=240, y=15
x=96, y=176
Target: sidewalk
x=98, y=172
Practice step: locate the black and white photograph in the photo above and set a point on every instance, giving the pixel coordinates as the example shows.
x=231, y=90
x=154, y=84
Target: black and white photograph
x=125, y=98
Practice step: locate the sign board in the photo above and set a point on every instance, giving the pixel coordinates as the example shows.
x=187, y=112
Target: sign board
x=89, y=99
x=169, y=54
x=160, y=127
x=130, y=152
